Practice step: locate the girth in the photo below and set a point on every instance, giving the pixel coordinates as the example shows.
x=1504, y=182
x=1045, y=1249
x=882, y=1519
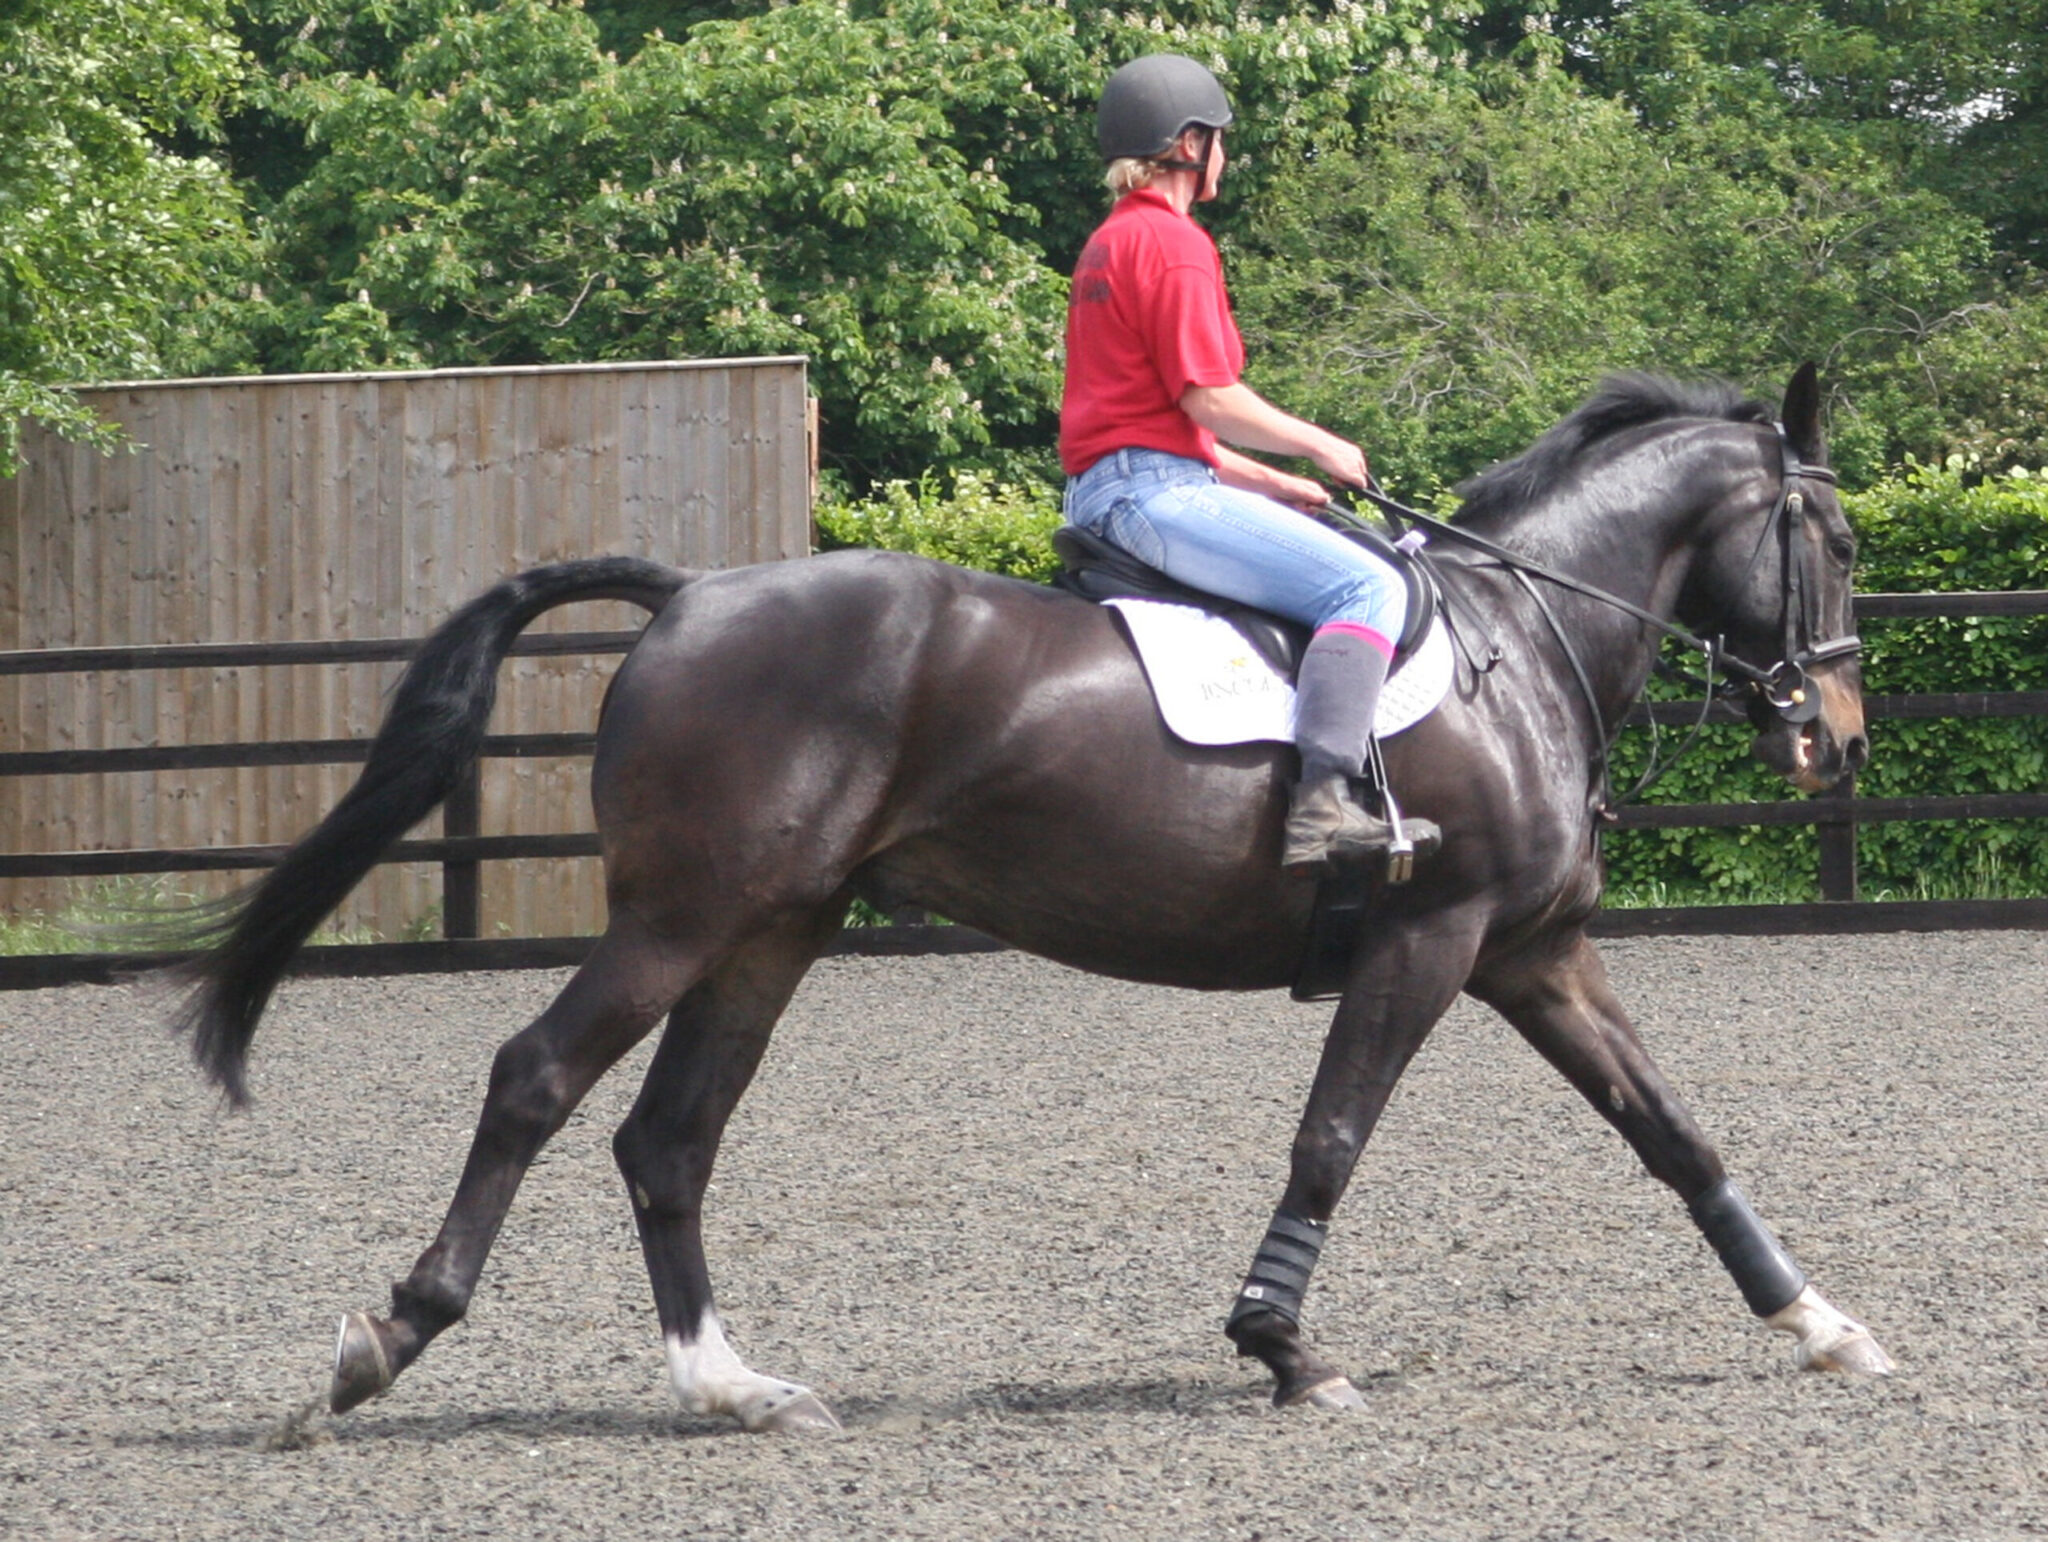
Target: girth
x=1096, y=570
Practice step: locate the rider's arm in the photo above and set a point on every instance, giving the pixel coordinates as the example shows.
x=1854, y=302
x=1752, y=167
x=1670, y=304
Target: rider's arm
x=1235, y=470
x=1241, y=416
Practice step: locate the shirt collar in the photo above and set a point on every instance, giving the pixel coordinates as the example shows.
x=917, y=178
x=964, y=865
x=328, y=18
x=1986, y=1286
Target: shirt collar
x=1151, y=196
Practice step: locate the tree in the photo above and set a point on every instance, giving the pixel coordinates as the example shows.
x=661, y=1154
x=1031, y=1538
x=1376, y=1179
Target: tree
x=1949, y=93
x=1508, y=236
x=110, y=242
x=893, y=189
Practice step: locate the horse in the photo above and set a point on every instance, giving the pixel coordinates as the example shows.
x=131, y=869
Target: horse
x=785, y=738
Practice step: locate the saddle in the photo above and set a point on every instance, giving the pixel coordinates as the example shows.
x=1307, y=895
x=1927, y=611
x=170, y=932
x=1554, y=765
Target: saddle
x=1096, y=570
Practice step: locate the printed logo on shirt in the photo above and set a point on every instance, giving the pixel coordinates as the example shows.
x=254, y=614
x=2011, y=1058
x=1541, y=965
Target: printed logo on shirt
x=1091, y=280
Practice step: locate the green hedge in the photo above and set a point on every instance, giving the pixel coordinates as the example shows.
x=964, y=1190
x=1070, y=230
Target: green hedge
x=978, y=522
x=1931, y=528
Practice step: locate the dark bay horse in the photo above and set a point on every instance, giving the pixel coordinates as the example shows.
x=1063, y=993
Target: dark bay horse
x=787, y=737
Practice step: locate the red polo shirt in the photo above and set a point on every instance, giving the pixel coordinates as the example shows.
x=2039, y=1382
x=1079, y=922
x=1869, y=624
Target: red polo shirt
x=1147, y=317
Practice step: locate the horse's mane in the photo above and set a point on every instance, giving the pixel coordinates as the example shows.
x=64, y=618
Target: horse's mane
x=1623, y=400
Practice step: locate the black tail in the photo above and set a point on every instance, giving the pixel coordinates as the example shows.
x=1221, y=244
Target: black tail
x=431, y=735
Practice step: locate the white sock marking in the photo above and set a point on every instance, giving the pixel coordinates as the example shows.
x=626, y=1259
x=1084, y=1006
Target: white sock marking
x=1828, y=1339
x=710, y=1379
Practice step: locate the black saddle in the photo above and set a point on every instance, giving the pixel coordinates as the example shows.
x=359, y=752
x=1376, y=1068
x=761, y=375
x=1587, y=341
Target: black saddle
x=1096, y=570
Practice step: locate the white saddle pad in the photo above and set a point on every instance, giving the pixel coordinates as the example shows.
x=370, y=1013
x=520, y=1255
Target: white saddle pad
x=1214, y=687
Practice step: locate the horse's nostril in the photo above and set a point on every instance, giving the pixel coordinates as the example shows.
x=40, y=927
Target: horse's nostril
x=1856, y=753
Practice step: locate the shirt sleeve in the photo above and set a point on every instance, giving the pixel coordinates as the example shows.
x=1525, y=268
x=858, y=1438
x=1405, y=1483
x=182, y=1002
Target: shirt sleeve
x=1193, y=336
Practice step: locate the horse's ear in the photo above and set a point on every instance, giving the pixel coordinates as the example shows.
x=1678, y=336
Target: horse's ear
x=1801, y=414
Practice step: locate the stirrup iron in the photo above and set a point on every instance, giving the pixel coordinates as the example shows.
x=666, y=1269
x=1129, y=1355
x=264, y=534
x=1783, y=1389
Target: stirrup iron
x=1400, y=849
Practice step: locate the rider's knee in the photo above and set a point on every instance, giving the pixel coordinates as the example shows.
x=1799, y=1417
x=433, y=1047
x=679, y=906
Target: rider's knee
x=1375, y=598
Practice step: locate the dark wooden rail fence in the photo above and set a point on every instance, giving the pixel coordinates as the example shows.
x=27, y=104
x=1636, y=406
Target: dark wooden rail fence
x=1837, y=813
x=462, y=848
x=459, y=851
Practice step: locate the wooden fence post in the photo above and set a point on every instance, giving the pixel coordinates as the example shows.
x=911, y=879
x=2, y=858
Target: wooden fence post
x=1838, y=845
x=461, y=882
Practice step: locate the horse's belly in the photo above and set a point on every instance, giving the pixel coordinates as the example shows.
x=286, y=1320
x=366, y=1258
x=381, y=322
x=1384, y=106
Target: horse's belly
x=1173, y=922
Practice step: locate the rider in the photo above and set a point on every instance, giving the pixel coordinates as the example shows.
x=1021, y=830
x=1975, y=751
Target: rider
x=1153, y=359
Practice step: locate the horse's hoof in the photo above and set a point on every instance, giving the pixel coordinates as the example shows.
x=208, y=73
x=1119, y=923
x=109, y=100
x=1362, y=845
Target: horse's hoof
x=803, y=1414
x=1856, y=1355
x=1335, y=1395
x=362, y=1362
x=1829, y=1340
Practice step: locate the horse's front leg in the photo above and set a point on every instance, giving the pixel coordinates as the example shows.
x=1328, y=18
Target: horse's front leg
x=1559, y=999
x=1404, y=977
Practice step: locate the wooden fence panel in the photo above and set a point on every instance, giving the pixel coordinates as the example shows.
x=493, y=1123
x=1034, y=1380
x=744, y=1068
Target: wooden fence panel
x=322, y=508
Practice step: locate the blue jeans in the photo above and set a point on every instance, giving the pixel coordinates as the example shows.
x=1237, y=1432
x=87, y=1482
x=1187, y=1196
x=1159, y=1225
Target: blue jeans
x=1173, y=513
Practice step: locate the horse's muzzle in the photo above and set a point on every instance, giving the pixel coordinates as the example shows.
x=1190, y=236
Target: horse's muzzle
x=1816, y=754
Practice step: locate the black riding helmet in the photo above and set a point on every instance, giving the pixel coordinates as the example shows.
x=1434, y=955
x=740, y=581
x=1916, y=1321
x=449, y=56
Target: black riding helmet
x=1151, y=100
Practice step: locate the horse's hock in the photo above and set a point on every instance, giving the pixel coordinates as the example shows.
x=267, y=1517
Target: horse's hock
x=320, y=508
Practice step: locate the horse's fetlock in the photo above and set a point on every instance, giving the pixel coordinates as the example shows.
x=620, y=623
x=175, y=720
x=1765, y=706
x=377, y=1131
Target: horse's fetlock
x=1256, y=1332
x=424, y=1308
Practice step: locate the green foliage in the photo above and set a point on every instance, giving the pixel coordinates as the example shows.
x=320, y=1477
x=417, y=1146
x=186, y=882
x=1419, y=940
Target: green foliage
x=1454, y=287
x=878, y=186
x=1929, y=529
x=1951, y=92
x=1000, y=527
x=109, y=242
x=1977, y=388
x=786, y=183
x=1898, y=108
x=100, y=918
x=139, y=914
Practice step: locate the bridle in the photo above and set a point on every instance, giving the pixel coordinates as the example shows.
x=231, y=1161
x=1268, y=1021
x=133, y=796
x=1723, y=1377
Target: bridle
x=1784, y=686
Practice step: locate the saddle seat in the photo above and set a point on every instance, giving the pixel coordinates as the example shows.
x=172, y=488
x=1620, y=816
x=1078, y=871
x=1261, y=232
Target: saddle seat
x=1096, y=570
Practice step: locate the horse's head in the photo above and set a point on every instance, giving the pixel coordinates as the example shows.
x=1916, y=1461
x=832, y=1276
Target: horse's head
x=1777, y=584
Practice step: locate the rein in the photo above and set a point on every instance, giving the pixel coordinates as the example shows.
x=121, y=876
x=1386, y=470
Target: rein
x=1785, y=685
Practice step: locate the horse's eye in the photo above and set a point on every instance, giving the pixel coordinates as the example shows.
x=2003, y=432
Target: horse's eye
x=1842, y=549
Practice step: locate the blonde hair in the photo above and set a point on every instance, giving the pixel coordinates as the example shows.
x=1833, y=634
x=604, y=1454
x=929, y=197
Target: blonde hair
x=1128, y=173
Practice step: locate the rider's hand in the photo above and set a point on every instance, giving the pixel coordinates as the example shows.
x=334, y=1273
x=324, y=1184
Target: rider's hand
x=1302, y=492
x=1344, y=461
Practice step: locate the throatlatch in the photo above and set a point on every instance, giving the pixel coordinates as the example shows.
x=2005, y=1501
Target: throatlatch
x=1763, y=1270
x=1280, y=1269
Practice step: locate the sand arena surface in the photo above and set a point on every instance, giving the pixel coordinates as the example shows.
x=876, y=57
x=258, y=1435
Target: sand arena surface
x=993, y=1211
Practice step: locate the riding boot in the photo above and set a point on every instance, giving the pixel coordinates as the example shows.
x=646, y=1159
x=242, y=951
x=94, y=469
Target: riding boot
x=1336, y=694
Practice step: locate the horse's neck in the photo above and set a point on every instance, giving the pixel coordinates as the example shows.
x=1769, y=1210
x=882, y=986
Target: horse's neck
x=1633, y=529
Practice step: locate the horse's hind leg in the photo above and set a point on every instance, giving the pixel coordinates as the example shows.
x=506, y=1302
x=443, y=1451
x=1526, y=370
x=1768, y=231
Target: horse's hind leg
x=707, y=1056
x=1560, y=1001
x=537, y=1079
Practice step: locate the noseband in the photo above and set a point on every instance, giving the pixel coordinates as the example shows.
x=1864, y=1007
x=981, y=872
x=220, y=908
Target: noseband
x=1785, y=686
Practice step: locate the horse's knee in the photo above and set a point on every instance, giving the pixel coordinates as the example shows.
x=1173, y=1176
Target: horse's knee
x=1320, y=1168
